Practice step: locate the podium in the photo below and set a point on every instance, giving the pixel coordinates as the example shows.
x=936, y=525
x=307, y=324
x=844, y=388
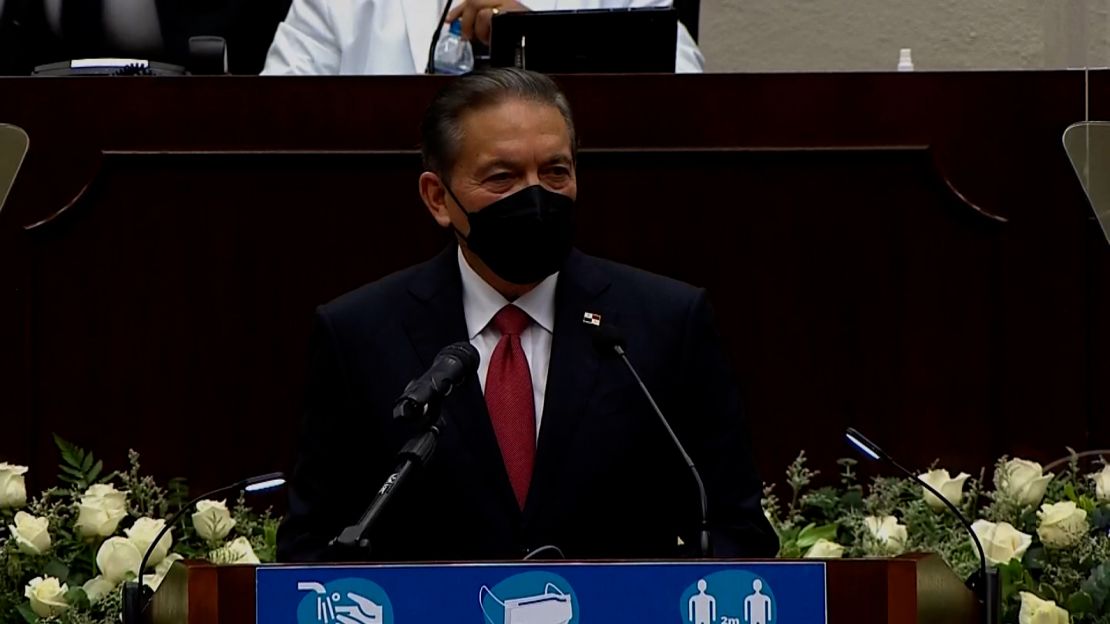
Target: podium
x=910, y=589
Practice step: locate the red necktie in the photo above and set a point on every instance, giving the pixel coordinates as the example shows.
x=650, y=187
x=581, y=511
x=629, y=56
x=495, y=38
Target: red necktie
x=512, y=409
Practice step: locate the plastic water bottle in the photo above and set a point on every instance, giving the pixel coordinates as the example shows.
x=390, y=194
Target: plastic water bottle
x=453, y=53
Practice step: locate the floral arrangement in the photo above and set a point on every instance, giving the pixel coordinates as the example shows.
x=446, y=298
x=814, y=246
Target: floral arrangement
x=1048, y=534
x=65, y=553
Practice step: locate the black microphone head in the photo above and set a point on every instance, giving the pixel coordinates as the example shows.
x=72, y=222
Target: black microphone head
x=465, y=353
x=608, y=340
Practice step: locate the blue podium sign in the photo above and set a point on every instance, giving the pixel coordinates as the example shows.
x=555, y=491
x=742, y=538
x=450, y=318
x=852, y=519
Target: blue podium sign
x=545, y=593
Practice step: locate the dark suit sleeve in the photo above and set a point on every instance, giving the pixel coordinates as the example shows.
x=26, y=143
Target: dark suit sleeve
x=320, y=492
x=721, y=442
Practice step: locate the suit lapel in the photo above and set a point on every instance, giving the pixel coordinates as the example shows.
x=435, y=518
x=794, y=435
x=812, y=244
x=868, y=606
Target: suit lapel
x=436, y=321
x=571, y=374
x=420, y=24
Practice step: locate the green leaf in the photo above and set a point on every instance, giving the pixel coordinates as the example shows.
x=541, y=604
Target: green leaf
x=94, y=472
x=28, y=615
x=1097, y=585
x=78, y=599
x=1080, y=602
x=1011, y=577
x=87, y=462
x=852, y=499
x=58, y=570
x=1048, y=592
x=811, y=533
x=1086, y=504
x=1034, y=558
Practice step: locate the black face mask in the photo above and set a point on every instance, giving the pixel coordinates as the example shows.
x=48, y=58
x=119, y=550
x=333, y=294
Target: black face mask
x=523, y=237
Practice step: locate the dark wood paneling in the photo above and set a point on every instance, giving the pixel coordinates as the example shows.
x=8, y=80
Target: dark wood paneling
x=910, y=254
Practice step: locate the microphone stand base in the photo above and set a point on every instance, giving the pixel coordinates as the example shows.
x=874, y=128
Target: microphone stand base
x=989, y=591
x=136, y=595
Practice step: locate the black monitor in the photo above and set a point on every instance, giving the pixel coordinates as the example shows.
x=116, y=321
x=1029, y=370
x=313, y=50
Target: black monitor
x=586, y=42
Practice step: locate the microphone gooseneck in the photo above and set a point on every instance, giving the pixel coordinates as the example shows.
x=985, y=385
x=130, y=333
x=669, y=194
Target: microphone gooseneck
x=609, y=341
x=988, y=588
x=136, y=594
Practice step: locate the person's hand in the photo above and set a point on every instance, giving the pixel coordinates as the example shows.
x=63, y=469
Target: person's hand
x=476, y=16
x=364, y=611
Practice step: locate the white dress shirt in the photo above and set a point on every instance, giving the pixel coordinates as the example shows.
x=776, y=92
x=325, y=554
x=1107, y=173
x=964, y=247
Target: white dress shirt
x=331, y=37
x=481, y=302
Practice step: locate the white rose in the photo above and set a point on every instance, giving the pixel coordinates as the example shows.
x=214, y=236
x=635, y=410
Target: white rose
x=117, y=558
x=824, y=549
x=47, y=596
x=212, y=520
x=1061, y=525
x=1102, y=484
x=154, y=581
x=142, y=534
x=1022, y=480
x=101, y=509
x=887, y=532
x=97, y=587
x=1002, y=543
x=1037, y=611
x=30, y=533
x=13, y=487
x=238, y=551
x=952, y=489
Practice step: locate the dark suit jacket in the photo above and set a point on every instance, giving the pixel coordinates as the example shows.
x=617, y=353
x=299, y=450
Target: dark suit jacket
x=607, y=481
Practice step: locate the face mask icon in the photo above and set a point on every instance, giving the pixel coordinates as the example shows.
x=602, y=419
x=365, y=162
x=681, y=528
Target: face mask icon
x=553, y=606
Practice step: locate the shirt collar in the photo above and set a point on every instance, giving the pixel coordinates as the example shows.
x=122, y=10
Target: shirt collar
x=481, y=301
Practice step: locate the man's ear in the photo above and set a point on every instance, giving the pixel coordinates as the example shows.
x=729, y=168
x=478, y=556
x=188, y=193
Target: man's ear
x=434, y=194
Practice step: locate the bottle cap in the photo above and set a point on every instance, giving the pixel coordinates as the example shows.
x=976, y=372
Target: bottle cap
x=456, y=27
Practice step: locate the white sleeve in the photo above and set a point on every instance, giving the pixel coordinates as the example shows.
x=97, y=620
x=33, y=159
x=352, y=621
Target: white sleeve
x=688, y=58
x=305, y=43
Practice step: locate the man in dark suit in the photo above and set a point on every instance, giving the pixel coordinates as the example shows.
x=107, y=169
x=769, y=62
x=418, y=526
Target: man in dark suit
x=551, y=443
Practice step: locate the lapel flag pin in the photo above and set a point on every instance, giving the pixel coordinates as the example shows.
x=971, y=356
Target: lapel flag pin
x=592, y=318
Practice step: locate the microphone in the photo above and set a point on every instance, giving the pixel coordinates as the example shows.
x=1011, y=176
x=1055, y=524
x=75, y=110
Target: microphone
x=419, y=403
x=430, y=68
x=452, y=365
x=136, y=594
x=609, y=341
x=987, y=589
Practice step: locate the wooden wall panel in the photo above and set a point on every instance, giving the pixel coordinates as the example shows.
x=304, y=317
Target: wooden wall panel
x=907, y=254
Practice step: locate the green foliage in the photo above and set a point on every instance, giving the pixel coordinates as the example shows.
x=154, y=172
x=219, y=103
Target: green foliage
x=1076, y=578
x=72, y=558
x=79, y=468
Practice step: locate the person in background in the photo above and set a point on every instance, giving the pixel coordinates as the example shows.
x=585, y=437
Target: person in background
x=349, y=37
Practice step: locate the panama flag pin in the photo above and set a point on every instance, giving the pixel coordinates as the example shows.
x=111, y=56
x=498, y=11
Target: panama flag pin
x=592, y=318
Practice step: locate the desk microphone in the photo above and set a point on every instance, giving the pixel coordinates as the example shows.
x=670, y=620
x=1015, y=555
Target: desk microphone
x=986, y=587
x=609, y=341
x=451, y=367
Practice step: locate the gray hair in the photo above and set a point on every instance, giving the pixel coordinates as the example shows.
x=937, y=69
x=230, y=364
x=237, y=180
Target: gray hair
x=440, y=131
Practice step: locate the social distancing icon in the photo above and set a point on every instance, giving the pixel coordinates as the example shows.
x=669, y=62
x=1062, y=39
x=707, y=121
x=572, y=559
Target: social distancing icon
x=729, y=597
